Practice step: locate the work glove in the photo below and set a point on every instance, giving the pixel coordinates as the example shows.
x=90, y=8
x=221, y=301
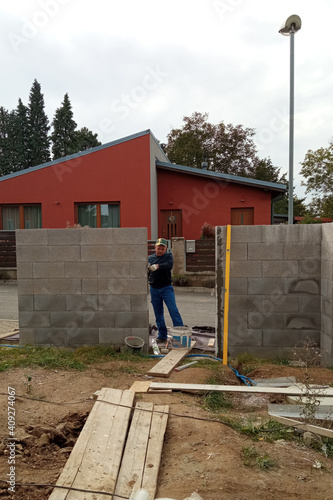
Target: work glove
x=153, y=267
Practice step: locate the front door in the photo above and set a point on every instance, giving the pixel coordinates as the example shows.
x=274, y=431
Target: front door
x=171, y=224
x=242, y=216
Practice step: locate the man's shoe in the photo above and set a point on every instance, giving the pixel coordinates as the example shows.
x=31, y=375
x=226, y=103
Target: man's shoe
x=159, y=340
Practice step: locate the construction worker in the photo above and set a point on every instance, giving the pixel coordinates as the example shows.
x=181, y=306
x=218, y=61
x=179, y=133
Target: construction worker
x=161, y=289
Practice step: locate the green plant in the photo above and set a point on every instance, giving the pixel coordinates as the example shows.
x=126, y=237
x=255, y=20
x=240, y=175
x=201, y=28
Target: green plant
x=265, y=462
x=28, y=384
x=215, y=401
x=180, y=280
x=251, y=457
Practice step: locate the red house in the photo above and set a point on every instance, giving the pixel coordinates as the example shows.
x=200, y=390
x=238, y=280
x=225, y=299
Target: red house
x=131, y=183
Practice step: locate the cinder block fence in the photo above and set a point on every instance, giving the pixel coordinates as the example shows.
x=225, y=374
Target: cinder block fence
x=82, y=286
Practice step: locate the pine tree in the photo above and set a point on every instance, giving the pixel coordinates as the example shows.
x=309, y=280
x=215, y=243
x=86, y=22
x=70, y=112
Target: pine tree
x=38, y=122
x=21, y=136
x=5, y=163
x=64, y=139
x=86, y=139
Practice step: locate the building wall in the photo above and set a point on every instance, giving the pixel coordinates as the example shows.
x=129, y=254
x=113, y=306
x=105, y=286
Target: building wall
x=81, y=287
x=203, y=200
x=326, y=292
x=119, y=173
x=275, y=288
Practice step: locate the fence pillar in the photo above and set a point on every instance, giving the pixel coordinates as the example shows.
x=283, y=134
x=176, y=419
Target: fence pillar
x=178, y=252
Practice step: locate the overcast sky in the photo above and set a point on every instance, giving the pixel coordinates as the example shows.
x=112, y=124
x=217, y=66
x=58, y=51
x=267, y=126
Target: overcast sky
x=131, y=65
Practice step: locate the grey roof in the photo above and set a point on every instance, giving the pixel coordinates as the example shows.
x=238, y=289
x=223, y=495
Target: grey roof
x=81, y=153
x=270, y=186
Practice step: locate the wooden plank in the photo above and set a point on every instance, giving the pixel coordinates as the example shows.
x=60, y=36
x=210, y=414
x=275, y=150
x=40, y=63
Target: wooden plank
x=154, y=452
x=132, y=466
x=95, y=459
x=165, y=366
x=297, y=411
x=9, y=334
x=140, y=386
x=295, y=391
x=211, y=342
x=303, y=426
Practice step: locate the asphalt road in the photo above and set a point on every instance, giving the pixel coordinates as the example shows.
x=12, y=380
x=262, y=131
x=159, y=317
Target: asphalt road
x=196, y=309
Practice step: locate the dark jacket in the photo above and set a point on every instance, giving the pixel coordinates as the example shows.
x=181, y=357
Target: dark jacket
x=161, y=277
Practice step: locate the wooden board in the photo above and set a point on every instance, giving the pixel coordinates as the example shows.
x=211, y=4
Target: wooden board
x=301, y=425
x=9, y=334
x=140, y=386
x=294, y=391
x=165, y=366
x=95, y=459
x=297, y=411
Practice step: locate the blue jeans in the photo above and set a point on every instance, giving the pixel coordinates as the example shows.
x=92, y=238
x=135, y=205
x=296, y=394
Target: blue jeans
x=167, y=295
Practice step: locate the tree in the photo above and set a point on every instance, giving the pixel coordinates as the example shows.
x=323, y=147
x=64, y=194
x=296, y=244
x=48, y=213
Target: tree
x=21, y=136
x=299, y=207
x=63, y=136
x=229, y=149
x=317, y=168
x=38, y=123
x=5, y=145
x=85, y=139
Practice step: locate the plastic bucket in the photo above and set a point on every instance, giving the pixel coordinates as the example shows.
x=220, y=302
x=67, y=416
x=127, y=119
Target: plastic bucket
x=134, y=344
x=181, y=336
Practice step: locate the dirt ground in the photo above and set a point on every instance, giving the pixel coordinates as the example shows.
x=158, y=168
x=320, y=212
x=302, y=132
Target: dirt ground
x=206, y=457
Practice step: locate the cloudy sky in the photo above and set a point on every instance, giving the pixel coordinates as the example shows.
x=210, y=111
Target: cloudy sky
x=131, y=65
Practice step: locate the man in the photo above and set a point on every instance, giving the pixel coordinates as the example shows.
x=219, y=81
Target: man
x=161, y=290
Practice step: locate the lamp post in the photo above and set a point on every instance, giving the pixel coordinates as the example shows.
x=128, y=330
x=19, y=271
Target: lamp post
x=289, y=28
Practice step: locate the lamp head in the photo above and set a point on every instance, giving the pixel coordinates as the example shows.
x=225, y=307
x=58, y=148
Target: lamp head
x=293, y=23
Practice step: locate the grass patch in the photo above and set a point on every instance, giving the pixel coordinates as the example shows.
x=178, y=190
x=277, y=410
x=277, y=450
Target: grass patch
x=216, y=401
x=252, y=457
x=268, y=431
x=51, y=357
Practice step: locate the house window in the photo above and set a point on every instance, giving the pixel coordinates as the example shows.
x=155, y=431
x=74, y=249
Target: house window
x=98, y=214
x=20, y=217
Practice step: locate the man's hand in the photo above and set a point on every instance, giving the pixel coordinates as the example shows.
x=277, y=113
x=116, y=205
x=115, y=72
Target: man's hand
x=153, y=267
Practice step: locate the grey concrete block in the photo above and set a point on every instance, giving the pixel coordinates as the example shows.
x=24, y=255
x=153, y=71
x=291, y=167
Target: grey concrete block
x=114, y=302
x=326, y=344
x=114, y=336
x=131, y=319
x=49, y=302
x=89, y=286
x=138, y=269
x=24, y=237
x=84, y=337
x=55, y=337
x=245, y=269
x=34, y=319
x=326, y=325
x=132, y=253
x=135, y=286
x=307, y=250
x=309, y=268
x=280, y=234
x=64, y=253
x=48, y=270
x=70, y=236
x=310, y=232
x=80, y=303
x=257, y=351
x=247, y=338
x=66, y=319
x=98, y=253
x=327, y=250
x=81, y=270
x=265, y=251
x=266, y=286
x=238, y=251
x=27, y=336
x=98, y=319
x=127, y=236
x=302, y=321
x=326, y=306
x=327, y=232
x=97, y=236
x=311, y=286
x=280, y=303
x=25, y=303
x=139, y=302
x=238, y=286
x=245, y=234
x=245, y=303
x=280, y=268
x=32, y=253
x=113, y=269
x=25, y=286
x=309, y=303
x=41, y=286
x=326, y=268
x=265, y=321
x=326, y=288
x=65, y=286
x=286, y=338
x=24, y=270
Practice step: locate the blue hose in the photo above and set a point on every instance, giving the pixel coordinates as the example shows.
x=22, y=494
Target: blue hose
x=5, y=345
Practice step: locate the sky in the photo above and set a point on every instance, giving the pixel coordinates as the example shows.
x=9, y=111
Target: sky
x=133, y=65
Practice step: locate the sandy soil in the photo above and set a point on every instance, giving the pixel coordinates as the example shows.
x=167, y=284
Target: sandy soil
x=206, y=457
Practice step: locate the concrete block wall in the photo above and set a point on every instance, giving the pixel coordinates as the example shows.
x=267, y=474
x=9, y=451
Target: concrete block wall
x=82, y=286
x=326, y=293
x=275, y=288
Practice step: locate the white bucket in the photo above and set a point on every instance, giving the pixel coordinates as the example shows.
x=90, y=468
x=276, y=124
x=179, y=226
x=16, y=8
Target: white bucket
x=181, y=336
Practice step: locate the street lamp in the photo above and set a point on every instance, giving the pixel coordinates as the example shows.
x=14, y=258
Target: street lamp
x=289, y=28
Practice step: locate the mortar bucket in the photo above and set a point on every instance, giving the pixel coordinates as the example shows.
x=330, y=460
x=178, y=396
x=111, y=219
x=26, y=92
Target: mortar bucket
x=181, y=336
x=134, y=344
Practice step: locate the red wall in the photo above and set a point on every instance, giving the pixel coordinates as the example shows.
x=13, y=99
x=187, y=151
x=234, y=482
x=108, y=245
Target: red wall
x=119, y=173
x=203, y=200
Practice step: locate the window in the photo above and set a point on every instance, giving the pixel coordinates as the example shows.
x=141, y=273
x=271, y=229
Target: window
x=98, y=214
x=20, y=217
